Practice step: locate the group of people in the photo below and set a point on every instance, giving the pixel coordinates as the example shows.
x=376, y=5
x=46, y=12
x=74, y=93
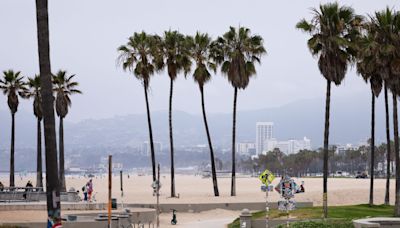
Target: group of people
x=87, y=190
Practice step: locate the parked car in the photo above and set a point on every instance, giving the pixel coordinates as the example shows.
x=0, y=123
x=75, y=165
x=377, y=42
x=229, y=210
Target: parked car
x=362, y=175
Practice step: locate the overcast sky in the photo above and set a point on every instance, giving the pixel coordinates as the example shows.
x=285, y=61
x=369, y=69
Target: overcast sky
x=85, y=34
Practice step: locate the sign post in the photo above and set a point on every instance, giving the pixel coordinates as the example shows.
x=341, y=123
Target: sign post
x=266, y=178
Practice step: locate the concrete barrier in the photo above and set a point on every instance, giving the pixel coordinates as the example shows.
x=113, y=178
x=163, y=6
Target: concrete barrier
x=12, y=196
x=199, y=207
x=377, y=222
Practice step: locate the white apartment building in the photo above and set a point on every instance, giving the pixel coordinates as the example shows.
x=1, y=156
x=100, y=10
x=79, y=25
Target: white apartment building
x=264, y=132
x=245, y=148
x=291, y=146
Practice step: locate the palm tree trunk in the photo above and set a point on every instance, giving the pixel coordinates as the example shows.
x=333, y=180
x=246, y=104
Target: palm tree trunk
x=52, y=184
x=387, y=148
x=12, y=183
x=61, y=149
x=213, y=170
x=326, y=145
x=171, y=140
x=39, y=178
x=371, y=188
x=153, y=159
x=233, y=182
x=396, y=155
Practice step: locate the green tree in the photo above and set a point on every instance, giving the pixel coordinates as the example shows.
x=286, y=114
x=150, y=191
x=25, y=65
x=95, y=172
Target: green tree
x=177, y=59
x=64, y=87
x=332, y=30
x=238, y=51
x=141, y=56
x=52, y=183
x=34, y=92
x=386, y=27
x=200, y=51
x=368, y=68
x=12, y=85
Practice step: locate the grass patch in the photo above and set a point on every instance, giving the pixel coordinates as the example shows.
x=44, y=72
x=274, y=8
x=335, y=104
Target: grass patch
x=336, y=214
x=331, y=223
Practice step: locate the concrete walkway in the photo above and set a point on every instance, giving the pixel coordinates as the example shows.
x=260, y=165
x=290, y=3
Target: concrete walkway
x=212, y=223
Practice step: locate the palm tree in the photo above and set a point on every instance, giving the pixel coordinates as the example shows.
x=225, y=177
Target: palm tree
x=13, y=86
x=237, y=50
x=34, y=92
x=332, y=30
x=368, y=67
x=200, y=51
x=141, y=56
x=388, y=149
x=64, y=87
x=177, y=59
x=386, y=27
x=52, y=183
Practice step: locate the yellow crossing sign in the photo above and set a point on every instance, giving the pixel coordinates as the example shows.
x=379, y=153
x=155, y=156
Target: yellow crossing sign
x=266, y=177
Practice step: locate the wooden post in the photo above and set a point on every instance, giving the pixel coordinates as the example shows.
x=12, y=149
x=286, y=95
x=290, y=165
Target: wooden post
x=158, y=195
x=109, y=189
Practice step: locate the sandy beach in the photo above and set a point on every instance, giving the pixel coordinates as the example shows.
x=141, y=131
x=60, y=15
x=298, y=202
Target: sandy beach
x=195, y=189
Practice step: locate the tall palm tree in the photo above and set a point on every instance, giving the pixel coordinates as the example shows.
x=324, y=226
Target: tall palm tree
x=368, y=68
x=201, y=53
x=52, y=184
x=332, y=31
x=34, y=92
x=238, y=50
x=64, y=87
x=141, y=56
x=13, y=86
x=177, y=59
x=388, y=149
x=386, y=27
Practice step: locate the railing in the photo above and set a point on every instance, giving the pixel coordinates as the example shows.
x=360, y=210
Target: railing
x=12, y=194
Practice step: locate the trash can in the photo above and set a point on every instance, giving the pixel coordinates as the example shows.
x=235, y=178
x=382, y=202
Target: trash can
x=113, y=203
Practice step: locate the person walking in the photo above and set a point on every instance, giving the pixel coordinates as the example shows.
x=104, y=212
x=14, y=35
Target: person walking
x=90, y=190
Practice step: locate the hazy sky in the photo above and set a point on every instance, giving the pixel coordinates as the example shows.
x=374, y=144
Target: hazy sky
x=85, y=34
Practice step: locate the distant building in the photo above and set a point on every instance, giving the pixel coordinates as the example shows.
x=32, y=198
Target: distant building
x=264, y=132
x=341, y=149
x=245, y=148
x=291, y=146
x=146, y=147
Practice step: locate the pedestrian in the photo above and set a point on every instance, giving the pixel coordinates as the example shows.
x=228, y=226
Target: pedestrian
x=84, y=191
x=90, y=189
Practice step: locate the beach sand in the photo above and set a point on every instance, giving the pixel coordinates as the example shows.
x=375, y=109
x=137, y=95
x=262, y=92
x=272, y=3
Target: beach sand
x=195, y=189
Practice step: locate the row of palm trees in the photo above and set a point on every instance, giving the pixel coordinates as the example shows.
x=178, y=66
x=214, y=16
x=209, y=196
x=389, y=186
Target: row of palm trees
x=340, y=38
x=13, y=85
x=235, y=53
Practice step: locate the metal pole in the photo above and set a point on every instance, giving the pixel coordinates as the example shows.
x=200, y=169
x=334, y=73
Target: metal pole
x=109, y=189
x=266, y=209
x=158, y=195
x=287, y=213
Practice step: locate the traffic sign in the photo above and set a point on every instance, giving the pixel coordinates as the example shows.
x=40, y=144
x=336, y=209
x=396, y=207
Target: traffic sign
x=266, y=177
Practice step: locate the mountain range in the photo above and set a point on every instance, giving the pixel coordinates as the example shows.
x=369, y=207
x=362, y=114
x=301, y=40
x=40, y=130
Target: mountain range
x=350, y=123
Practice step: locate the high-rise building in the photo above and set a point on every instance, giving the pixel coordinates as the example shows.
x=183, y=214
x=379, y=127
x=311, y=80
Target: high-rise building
x=264, y=132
